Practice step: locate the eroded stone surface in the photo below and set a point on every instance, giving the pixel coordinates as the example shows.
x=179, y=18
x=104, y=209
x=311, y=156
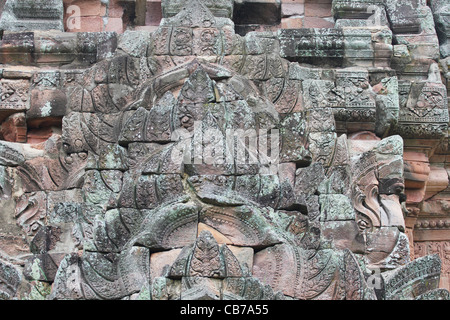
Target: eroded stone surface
x=193, y=162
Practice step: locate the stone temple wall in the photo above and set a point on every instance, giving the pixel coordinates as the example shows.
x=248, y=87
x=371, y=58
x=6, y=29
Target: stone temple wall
x=198, y=149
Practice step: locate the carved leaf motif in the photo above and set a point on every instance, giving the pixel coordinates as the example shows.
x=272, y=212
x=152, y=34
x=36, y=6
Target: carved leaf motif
x=232, y=266
x=289, y=96
x=134, y=127
x=274, y=87
x=198, y=88
x=319, y=273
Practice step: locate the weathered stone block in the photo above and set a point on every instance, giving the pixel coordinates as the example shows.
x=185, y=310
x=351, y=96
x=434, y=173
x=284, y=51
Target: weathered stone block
x=173, y=226
x=43, y=267
x=198, y=288
x=318, y=9
x=278, y=259
x=307, y=180
x=32, y=15
x=349, y=9
x=14, y=128
x=257, y=12
x=343, y=235
x=336, y=207
x=151, y=215
x=404, y=16
x=14, y=96
x=422, y=116
x=47, y=103
x=441, y=12
x=255, y=232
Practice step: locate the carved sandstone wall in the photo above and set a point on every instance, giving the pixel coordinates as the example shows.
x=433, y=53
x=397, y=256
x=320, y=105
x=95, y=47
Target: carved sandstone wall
x=224, y=149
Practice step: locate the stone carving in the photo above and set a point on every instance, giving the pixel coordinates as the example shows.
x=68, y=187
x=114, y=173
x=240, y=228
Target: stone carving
x=441, y=12
x=401, y=283
x=32, y=15
x=306, y=43
x=223, y=8
x=439, y=248
x=14, y=95
x=201, y=164
x=10, y=280
x=404, y=16
x=426, y=111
